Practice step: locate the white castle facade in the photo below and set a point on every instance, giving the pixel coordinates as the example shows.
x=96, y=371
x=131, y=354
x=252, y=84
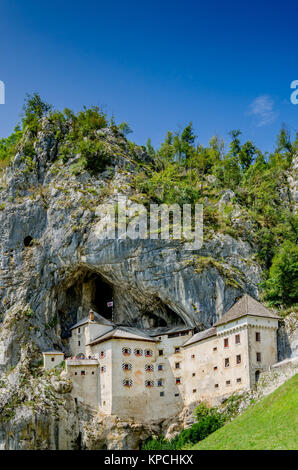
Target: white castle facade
x=153, y=374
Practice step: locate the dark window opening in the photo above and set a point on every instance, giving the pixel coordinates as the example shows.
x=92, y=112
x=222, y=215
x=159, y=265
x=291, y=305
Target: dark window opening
x=227, y=362
x=258, y=357
x=226, y=342
x=83, y=372
x=238, y=359
x=258, y=336
x=237, y=339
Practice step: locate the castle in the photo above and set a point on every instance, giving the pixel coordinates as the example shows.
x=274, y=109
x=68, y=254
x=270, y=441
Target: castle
x=152, y=374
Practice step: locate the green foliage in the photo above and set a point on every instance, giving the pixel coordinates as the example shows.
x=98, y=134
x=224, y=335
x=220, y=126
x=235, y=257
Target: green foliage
x=209, y=420
x=8, y=146
x=95, y=155
x=281, y=288
x=125, y=128
x=33, y=110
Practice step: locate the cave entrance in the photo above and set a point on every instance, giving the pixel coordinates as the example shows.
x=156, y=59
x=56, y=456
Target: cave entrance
x=84, y=291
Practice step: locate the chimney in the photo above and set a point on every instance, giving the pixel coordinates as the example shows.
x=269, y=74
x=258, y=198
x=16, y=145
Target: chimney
x=91, y=315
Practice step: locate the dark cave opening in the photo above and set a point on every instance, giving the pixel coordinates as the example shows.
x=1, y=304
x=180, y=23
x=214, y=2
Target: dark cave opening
x=27, y=241
x=86, y=290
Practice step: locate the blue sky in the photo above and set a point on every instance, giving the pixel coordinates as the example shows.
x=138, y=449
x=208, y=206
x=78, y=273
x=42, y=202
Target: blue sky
x=221, y=64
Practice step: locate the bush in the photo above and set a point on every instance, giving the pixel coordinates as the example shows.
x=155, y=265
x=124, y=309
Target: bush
x=209, y=420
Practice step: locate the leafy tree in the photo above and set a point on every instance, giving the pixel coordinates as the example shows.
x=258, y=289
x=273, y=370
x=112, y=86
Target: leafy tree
x=33, y=110
x=281, y=288
x=124, y=128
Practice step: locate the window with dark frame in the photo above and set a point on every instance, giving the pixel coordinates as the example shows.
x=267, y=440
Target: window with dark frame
x=160, y=367
x=258, y=357
x=216, y=386
x=193, y=374
x=177, y=365
x=160, y=352
x=193, y=356
x=226, y=342
x=228, y=382
x=215, y=368
x=177, y=349
x=215, y=349
x=52, y=359
x=194, y=390
x=239, y=380
x=258, y=336
x=178, y=380
x=238, y=359
x=83, y=372
x=237, y=339
x=227, y=362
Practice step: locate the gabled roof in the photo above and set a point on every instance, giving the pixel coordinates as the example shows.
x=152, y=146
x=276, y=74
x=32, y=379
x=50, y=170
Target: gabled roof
x=247, y=305
x=200, y=336
x=122, y=332
x=97, y=319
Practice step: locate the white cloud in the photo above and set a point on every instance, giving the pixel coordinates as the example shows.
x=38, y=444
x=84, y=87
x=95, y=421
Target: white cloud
x=263, y=109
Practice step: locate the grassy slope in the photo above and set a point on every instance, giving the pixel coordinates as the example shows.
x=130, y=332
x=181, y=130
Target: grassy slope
x=270, y=424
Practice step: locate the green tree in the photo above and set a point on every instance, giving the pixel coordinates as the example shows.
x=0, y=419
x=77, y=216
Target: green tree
x=281, y=288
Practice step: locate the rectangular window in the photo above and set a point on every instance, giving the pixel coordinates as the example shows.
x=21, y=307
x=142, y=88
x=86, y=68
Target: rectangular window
x=258, y=357
x=258, y=336
x=238, y=359
x=239, y=380
x=178, y=380
x=79, y=343
x=83, y=372
x=177, y=349
x=193, y=356
x=52, y=359
x=193, y=374
x=160, y=352
x=160, y=383
x=160, y=367
x=228, y=382
x=214, y=349
x=215, y=368
x=216, y=386
x=176, y=394
x=237, y=339
x=79, y=330
x=194, y=390
x=177, y=365
x=162, y=394
x=226, y=342
x=227, y=362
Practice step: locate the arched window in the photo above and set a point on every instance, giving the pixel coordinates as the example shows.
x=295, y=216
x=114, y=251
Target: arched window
x=148, y=352
x=126, y=351
x=127, y=383
x=138, y=352
x=149, y=368
x=126, y=366
x=149, y=383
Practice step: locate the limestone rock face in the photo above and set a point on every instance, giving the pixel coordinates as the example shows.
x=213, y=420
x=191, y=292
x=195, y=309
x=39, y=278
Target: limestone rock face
x=54, y=268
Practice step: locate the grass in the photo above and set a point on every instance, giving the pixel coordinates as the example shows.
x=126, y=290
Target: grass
x=271, y=424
